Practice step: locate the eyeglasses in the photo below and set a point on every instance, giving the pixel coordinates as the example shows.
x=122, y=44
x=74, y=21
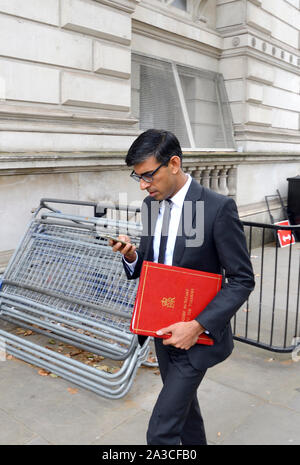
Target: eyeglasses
x=148, y=177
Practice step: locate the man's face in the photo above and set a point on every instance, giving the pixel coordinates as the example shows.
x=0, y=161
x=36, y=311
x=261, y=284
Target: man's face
x=163, y=184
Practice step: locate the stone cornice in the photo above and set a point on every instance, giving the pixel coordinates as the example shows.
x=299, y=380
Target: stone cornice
x=181, y=28
x=70, y=162
x=266, y=135
x=235, y=158
x=248, y=51
x=128, y=6
x=171, y=38
x=106, y=128
x=36, y=118
x=242, y=29
x=59, y=162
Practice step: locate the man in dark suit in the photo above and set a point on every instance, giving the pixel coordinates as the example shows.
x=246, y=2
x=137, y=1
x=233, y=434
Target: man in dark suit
x=209, y=238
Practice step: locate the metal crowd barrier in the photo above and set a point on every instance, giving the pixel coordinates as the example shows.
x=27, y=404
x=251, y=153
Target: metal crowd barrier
x=64, y=280
x=270, y=318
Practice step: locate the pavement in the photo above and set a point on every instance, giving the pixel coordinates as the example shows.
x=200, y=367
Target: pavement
x=252, y=398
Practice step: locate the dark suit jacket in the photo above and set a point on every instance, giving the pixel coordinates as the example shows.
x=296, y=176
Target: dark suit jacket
x=223, y=251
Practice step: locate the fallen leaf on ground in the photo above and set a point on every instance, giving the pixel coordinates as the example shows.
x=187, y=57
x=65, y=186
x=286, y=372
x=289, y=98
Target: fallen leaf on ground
x=76, y=353
x=114, y=370
x=43, y=372
x=28, y=332
x=102, y=367
x=72, y=390
x=286, y=362
x=19, y=331
x=24, y=332
x=107, y=369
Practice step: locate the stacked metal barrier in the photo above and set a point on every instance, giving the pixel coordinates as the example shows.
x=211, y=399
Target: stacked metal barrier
x=65, y=280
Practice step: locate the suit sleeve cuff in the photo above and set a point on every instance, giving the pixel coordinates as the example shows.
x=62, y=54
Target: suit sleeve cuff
x=130, y=266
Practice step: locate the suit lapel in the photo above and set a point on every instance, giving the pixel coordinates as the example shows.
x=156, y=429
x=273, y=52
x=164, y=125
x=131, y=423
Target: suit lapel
x=187, y=219
x=150, y=214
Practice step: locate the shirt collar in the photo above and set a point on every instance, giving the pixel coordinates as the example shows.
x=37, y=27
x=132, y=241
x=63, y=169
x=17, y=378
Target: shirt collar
x=179, y=197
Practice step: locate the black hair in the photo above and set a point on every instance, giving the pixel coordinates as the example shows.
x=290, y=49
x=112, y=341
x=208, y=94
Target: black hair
x=162, y=144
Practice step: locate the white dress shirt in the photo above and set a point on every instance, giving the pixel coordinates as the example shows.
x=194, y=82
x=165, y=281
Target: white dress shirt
x=177, y=204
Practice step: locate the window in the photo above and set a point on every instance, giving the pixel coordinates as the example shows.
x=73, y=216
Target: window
x=190, y=102
x=181, y=4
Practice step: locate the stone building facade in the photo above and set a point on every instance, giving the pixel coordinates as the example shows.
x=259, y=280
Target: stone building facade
x=80, y=79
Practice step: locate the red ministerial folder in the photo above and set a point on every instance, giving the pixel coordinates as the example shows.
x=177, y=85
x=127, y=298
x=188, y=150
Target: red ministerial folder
x=168, y=294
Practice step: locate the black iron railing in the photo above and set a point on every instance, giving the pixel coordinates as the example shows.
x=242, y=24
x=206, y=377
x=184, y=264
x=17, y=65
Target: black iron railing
x=270, y=318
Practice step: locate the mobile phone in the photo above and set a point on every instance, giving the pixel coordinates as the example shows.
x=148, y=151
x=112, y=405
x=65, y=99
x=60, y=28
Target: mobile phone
x=115, y=239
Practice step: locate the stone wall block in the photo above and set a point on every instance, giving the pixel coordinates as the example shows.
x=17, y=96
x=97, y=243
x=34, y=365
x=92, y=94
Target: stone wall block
x=281, y=99
x=285, y=119
x=230, y=13
x=258, y=18
x=95, y=92
x=260, y=71
x=31, y=9
x=39, y=43
x=112, y=60
x=29, y=82
x=255, y=92
x=96, y=19
x=258, y=115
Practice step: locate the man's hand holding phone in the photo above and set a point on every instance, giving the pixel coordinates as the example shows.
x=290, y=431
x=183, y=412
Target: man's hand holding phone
x=123, y=245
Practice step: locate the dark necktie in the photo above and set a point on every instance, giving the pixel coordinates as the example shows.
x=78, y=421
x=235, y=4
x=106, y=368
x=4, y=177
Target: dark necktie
x=164, y=231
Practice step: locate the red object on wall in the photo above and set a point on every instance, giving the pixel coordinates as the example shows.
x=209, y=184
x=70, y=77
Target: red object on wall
x=285, y=236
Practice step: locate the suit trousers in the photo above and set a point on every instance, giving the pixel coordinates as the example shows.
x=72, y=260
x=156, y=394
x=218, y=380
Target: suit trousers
x=176, y=417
